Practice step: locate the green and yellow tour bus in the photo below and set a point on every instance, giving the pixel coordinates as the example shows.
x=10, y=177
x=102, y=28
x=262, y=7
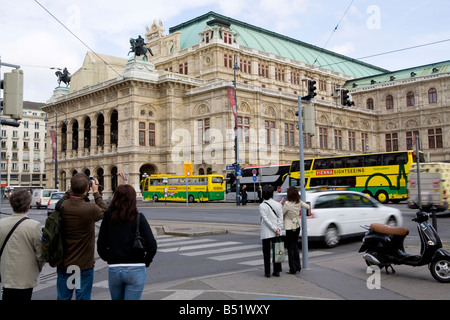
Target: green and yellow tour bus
x=383, y=176
x=200, y=188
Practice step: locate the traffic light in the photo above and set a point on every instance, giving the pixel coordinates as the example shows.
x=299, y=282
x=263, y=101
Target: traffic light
x=311, y=86
x=308, y=119
x=345, y=98
x=12, y=86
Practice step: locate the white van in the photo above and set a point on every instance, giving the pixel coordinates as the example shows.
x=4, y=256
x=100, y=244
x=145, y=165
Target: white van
x=434, y=186
x=41, y=197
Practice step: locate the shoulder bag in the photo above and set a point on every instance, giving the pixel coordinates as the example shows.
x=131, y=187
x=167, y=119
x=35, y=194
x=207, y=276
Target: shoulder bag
x=9, y=235
x=139, y=248
x=278, y=249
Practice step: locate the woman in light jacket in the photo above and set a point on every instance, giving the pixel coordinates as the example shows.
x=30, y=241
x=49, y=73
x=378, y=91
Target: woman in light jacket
x=271, y=226
x=21, y=261
x=291, y=210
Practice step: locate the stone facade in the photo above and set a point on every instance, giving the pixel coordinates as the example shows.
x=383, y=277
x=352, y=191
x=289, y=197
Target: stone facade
x=152, y=116
x=407, y=103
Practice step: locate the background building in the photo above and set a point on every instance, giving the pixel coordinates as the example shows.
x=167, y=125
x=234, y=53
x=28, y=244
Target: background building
x=407, y=103
x=139, y=117
x=23, y=149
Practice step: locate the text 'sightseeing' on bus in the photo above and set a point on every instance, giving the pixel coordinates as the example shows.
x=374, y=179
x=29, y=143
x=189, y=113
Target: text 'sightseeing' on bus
x=383, y=176
x=200, y=188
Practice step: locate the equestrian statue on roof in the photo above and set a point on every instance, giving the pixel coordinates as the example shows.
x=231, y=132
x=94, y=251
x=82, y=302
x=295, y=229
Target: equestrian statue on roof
x=139, y=48
x=63, y=76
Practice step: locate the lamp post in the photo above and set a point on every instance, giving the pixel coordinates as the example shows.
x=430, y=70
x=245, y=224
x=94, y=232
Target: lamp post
x=56, y=143
x=236, y=140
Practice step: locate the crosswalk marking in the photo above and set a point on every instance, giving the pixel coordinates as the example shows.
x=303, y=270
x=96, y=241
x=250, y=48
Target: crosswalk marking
x=184, y=295
x=228, y=249
x=183, y=242
x=212, y=249
x=183, y=248
x=237, y=255
x=253, y=263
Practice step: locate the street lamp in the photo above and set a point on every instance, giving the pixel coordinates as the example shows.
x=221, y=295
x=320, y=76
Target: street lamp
x=236, y=140
x=56, y=143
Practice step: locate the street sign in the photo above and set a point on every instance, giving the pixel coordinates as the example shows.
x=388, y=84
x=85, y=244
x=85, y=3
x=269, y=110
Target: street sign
x=239, y=172
x=188, y=168
x=230, y=168
x=254, y=172
x=255, y=178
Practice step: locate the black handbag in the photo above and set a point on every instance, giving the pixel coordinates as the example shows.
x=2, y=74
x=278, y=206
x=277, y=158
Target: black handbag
x=139, y=248
x=8, y=236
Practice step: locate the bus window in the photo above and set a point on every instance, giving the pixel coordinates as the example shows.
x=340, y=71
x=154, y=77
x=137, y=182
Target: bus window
x=295, y=166
x=421, y=157
x=371, y=160
x=217, y=180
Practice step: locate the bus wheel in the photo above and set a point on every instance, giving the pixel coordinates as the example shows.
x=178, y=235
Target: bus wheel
x=155, y=198
x=191, y=198
x=382, y=196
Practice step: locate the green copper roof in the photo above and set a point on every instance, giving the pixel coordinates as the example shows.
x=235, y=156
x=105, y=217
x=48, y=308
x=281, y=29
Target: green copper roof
x=410, y=73
x=272, y=42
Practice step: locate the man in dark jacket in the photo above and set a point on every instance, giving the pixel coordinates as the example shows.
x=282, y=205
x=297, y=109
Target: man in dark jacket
x=78, y=225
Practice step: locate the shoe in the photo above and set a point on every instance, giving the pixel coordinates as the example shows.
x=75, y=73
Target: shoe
x=267, y=275
x=276, y=274
x=289, y=272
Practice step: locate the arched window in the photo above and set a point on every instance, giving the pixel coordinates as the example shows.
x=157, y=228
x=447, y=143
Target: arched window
x=410, y=99
x=432, y=95
x=369, y=104
x=389, y=102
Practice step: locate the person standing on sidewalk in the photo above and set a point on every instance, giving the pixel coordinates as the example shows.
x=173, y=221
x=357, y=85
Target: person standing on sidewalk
x=21, y=260
x=127, y=273
x=244, y=195
x=291, y=210
x=78, y=227
x=271, y=226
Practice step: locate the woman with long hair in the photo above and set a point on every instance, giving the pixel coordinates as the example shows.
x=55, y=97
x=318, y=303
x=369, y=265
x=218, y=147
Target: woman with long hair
x=127, y=268
x=291, y=211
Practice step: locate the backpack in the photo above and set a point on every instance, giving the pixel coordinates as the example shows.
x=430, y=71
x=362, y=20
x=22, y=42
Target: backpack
x=52, y=241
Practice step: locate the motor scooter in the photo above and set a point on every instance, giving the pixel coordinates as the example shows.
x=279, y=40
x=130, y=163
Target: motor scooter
x=383, y=246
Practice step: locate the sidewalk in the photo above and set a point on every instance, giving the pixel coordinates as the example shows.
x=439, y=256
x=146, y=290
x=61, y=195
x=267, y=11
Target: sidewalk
x=331, y=277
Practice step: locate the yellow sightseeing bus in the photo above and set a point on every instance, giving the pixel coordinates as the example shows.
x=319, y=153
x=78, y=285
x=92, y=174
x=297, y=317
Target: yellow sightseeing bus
x=383, y=176
x=200, y=188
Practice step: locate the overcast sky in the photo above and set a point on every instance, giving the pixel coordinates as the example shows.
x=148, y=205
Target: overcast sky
x=35, y=40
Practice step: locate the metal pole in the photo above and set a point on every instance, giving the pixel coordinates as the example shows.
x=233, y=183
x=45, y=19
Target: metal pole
x=302, y=187
x=419, y=196
x=236, y=140
x=1, y=193
x=56, y=150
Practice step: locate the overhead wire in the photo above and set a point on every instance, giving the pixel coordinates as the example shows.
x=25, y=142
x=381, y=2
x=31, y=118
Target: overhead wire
x=331, y=35
x=70, y=31
x=387, y=52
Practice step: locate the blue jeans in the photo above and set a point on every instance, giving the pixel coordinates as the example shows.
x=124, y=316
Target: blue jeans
x=126, y=282
x=66, y=283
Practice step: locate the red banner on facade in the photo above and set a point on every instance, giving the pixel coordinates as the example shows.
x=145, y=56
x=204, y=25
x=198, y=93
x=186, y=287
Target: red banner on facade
x=53, y=137
x=230, y=92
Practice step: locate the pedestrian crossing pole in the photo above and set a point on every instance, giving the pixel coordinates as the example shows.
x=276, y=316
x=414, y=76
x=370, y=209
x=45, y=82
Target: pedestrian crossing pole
x=302, y=187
